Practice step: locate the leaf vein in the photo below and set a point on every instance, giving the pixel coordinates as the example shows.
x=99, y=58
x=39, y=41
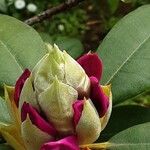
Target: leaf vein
x=128, y=58
x=11, y=54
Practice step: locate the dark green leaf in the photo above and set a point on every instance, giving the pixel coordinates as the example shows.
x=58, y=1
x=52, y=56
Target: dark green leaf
x=5, y=147
x=124, y=117
x=126, y=55
x=2, y=140
x=73, y=46
x=134, y=138
x=113, y=4
x=20, y=47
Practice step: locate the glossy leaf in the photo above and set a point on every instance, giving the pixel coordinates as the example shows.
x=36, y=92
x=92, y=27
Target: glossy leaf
x=125, y=53
x=20, y=47
x=134, y=138
x=72, y=45
x=123, y=117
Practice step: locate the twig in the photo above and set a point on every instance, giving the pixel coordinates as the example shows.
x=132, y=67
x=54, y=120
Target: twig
x=52, y=11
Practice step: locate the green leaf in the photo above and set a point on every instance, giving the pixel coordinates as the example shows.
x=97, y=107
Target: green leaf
x=20, y=47
x=5, y=147
x=134, y=138
x=46, y=38
x=4, y=113
x=72, y=45
x=126, y=55
x=123, y=117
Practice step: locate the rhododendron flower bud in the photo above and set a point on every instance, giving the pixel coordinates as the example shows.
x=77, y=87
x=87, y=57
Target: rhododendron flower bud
x=62, y=65
x=61, y=103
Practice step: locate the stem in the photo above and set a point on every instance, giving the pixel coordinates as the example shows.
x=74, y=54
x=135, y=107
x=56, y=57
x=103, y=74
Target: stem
x=68, y=4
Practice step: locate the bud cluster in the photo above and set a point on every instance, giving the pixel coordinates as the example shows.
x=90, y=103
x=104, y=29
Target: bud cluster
x=61, y=103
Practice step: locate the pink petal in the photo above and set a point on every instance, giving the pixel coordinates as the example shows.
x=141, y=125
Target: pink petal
x=68, y=143
x=99, y=99
x=19, y=85
x=78, y=108
x=92, y=65
x=36, y=119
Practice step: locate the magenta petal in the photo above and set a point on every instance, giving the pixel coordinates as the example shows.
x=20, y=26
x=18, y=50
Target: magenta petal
x=36, y=119
x=68, y=143
x=78, y=108
x=92, y=65
x=19, y=85
x=99, y=99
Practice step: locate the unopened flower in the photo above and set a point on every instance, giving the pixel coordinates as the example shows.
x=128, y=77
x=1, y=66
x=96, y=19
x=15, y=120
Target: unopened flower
x=31, y=7
x=20, y=4
x=61, y=103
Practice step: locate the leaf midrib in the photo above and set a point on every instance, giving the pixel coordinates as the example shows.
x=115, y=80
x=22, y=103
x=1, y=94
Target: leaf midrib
x=128, y=144
x=127, y=59
x=11, y=54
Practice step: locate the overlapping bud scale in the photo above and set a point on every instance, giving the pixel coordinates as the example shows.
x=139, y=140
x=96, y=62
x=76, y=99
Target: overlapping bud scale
x=61, y=102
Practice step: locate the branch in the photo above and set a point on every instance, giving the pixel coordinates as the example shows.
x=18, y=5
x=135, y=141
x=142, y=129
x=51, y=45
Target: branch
x=52, y=11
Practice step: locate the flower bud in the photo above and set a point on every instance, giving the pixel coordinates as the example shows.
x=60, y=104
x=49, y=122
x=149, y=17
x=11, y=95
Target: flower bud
x=61, y=102
x=67, y=70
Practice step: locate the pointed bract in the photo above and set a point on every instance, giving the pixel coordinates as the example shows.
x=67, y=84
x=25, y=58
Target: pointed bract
x=36, y=119
x=28, y=95
x=105, y=118
x=46, y=72
x=75, y=76
x=19, y=85
x=33, y=136
x=77, y=108
x=92, y=65
x=89, y=126
x=98, y=97
x=56, y=102
x=12, y=131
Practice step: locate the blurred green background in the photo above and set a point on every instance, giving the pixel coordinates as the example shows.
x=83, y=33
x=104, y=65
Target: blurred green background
x=83, y=27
